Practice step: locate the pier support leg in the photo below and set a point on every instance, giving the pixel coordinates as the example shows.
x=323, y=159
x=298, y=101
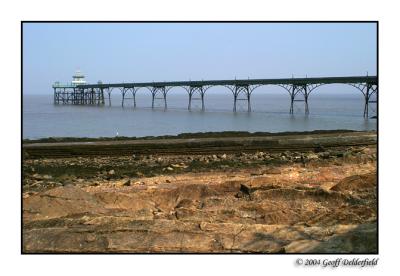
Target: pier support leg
x=202, y=100
x=192, y=91
x=99, y=99
x=165, y=98
x=134, y=98
x=248, y=103
x=123, y=96
x=102, y=96
x=85, y=96
x=306, y=93
x=366, y=100
x=234, y=102
x=371, y=89
x=92, y=96
x=301, y=90
x=241, y=89
x=307, y=110
x=292, y=95
x=159, y=89
x=152, y=98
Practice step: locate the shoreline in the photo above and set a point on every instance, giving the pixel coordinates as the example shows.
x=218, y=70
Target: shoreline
x=201, y=144
x=210, y=134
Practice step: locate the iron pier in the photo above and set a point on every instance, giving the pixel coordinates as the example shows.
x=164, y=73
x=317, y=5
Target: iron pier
x=299, y=90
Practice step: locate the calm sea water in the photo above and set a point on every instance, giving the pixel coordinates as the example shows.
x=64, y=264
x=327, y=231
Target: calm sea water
x=270, y=113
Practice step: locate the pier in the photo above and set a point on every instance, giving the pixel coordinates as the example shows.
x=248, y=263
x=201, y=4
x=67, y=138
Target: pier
x=299, y=89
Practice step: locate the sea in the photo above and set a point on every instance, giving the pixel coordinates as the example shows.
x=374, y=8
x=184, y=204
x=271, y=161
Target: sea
x=270, y=113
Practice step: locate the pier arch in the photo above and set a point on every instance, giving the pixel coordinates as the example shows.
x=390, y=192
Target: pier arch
x=142, y=97
x=210, y=92
x=177, y=94
x=367, y=92
x=261, y=94
x=113, y=94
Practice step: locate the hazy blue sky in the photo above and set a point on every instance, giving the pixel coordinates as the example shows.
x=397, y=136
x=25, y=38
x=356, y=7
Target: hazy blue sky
x=143, y=52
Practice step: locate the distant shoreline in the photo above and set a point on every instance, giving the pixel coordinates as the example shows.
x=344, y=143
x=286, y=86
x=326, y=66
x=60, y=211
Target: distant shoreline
x=188, y=135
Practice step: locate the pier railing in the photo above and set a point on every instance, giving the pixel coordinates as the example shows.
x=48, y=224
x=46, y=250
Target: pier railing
x=64, y=85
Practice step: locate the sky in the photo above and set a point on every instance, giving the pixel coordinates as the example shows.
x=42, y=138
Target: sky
x=141, y=52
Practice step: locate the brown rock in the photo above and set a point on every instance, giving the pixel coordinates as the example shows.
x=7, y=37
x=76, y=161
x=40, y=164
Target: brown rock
x=356, y=182
x=290, y=210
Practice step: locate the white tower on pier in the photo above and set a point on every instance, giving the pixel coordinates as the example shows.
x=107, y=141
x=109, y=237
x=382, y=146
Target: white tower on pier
x=78, y=78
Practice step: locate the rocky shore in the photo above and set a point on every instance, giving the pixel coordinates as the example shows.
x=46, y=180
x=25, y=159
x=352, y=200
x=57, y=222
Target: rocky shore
x=320, y=198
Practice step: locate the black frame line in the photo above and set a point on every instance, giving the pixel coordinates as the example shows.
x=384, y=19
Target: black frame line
x=176, y=22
